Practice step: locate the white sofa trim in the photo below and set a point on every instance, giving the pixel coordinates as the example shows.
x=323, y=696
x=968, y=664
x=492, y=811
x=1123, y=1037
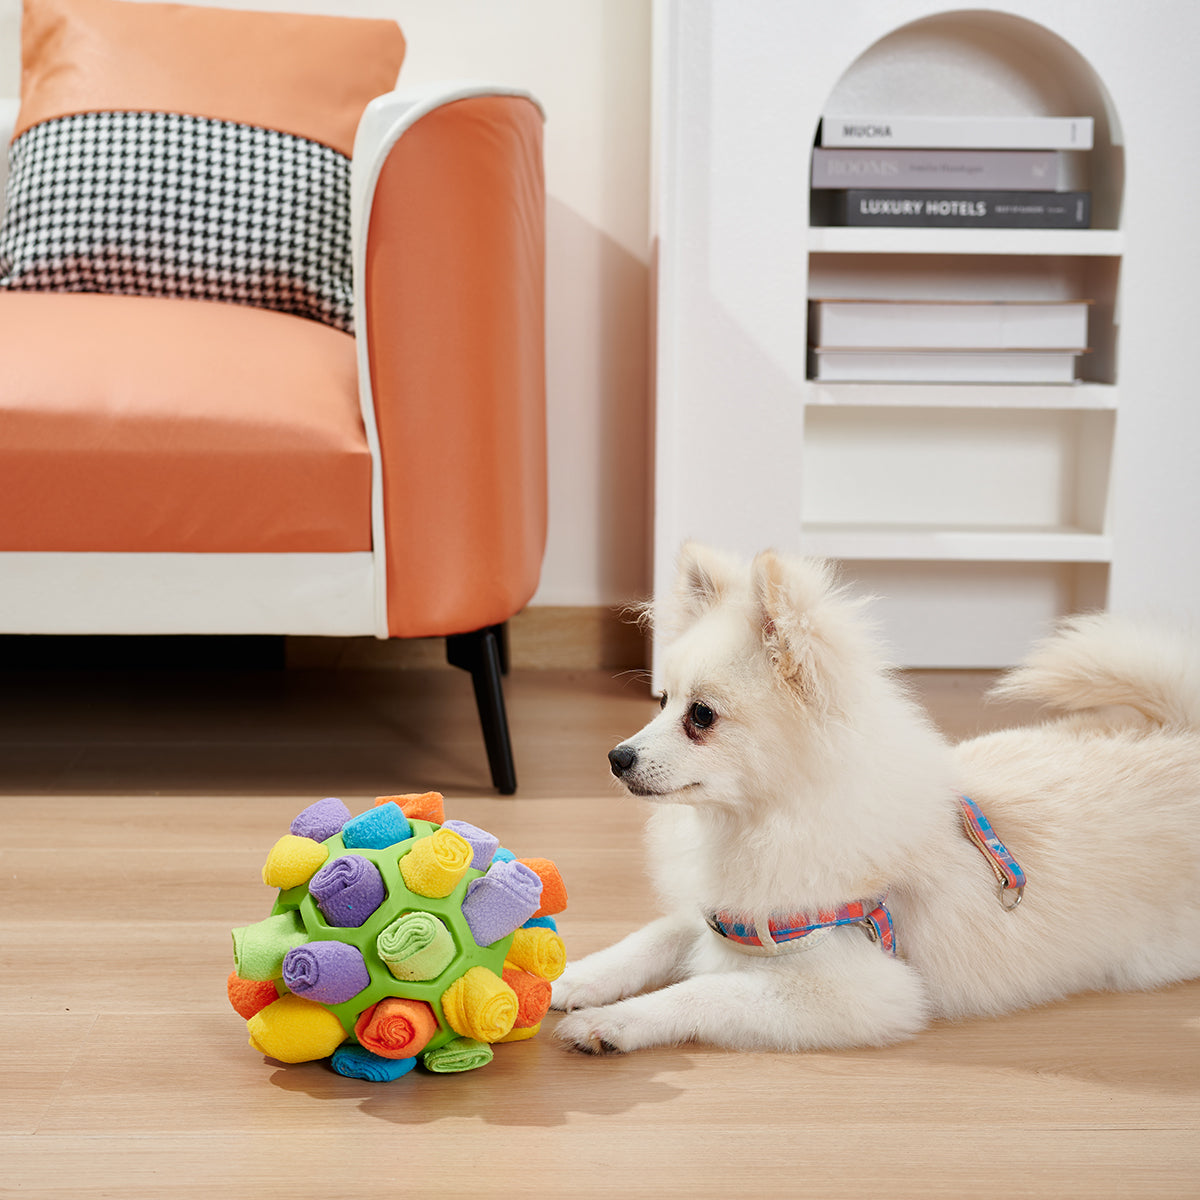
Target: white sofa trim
x=94, y=593
x=9, y=109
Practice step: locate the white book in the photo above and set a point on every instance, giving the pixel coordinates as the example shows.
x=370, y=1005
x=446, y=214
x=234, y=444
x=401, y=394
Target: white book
x=940, y=170
x=959, y=133
x=944, y=366
x=949, y=324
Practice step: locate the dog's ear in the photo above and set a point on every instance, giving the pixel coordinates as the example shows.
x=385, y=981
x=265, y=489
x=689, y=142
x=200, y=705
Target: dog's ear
x=800, y=626
x=704, y=577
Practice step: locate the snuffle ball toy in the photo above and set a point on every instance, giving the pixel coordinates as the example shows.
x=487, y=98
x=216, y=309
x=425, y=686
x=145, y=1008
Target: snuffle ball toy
x=397, y=937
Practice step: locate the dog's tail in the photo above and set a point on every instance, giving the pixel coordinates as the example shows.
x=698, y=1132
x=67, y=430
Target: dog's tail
x=1098, y=661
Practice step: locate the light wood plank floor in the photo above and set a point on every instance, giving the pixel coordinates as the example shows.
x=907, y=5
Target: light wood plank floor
x=136, y=816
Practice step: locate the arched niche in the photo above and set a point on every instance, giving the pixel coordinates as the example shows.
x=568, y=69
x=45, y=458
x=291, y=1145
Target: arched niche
x=976, y=63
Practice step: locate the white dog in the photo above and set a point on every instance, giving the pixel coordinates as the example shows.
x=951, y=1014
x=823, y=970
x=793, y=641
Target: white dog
x=801, y=798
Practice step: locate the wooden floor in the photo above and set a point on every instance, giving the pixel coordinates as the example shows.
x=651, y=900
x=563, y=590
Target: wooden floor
x=137, y=812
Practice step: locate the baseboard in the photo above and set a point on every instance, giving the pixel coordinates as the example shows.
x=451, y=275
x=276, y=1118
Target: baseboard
x=577, y=636
x=543, y=637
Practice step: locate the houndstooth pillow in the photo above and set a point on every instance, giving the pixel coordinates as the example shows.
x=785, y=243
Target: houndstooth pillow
x=163, y=204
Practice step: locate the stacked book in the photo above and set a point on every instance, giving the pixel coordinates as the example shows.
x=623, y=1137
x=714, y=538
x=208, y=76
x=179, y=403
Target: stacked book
x=946, y=341
x=950, y=172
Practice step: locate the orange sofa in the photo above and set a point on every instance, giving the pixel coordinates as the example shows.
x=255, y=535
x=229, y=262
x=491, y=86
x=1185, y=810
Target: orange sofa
x=195, y=465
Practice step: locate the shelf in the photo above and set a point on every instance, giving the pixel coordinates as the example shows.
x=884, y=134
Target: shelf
x=1066, y=242
x=943, y=544
x=1087, y=396
x=979, y=514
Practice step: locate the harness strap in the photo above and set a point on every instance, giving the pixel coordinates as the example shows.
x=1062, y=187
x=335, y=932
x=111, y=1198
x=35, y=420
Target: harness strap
x=785, y=934
x=1006, y=868
x=783, y=930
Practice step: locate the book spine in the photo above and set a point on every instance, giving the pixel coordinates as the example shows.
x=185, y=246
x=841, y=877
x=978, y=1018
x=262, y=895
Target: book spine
x=912, y=208
x=949, y=325
x=945, y=170
x=1005, y=366
x=955, y=133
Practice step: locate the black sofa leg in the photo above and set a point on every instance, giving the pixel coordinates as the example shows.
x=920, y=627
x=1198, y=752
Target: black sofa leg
x=484, y=653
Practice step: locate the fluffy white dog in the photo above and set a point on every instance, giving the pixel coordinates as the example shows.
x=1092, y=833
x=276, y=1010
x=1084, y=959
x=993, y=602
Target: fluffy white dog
x=802, y=799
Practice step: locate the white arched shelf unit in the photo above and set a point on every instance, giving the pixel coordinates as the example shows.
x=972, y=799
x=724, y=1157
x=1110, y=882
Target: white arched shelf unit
x=978, y=513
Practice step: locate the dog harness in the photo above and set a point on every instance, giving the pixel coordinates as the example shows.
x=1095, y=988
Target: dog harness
x=785, y=934
x=1006, y=869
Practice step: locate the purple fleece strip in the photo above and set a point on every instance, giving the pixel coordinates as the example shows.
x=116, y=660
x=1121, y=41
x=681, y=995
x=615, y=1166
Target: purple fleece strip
x=347, y=890
x=501, y=901
x=321, y=820
x=328, y=972
x=483, y=844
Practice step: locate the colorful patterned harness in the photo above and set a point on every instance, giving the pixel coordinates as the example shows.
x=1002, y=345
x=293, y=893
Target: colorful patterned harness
x=873, y=917
x=1007, y=870
x=785, y=934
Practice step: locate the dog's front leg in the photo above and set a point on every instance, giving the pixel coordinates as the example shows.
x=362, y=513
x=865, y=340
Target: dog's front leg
x=839, y=1004
x=649, y=958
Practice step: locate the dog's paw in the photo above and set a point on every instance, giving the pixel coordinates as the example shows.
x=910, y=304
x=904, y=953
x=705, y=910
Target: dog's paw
x=611, y=1030
x=591, y=1031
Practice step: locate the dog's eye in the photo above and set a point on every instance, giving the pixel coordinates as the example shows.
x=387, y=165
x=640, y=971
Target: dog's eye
x=701, y=715
x=662, y=701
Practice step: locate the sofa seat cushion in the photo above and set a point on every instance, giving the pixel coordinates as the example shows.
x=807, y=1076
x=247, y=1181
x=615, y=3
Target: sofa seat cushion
x=130, y=423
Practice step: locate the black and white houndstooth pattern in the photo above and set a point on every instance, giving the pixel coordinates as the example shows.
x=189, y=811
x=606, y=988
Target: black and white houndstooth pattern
x=162, y=204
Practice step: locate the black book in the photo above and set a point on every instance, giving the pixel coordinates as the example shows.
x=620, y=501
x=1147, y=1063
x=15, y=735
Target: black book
x=962, y=210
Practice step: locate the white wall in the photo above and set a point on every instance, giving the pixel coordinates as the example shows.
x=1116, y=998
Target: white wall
x=588, y=61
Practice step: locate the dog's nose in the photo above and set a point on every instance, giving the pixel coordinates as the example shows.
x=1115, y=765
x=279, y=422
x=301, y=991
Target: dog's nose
x=621, y=759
